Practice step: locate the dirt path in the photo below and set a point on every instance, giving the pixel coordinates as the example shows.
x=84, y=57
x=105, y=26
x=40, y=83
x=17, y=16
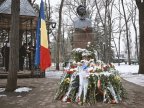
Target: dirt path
x=43, y=91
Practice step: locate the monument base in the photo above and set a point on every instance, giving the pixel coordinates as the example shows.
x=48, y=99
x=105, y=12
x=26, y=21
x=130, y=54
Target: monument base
x=82, y=37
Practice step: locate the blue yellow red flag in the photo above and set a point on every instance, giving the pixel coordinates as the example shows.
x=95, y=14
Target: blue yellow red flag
x=42, y=56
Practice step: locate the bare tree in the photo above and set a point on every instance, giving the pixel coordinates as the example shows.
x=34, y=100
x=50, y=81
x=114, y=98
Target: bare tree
x=59, y=34
x=106, y=21
x=48, y=17
x=140, y=5
x=110, y=11
x=132, y=9
x=136, y=34
x=127, y=35
x=120, y=31
x=103, y=10
x=14, y=47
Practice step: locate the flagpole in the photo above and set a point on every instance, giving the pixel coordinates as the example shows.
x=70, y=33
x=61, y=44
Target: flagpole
x=42, y=57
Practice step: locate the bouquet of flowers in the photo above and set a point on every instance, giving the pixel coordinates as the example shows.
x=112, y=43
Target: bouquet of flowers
x=89, y=82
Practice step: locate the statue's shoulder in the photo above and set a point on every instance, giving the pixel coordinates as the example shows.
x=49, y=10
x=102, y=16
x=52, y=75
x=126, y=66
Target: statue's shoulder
x=87, y=19
x=78, y=20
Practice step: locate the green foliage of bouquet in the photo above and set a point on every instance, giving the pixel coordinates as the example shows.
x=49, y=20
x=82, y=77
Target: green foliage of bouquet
x=75, y=87
x=63, y=87
x=92, y=89
x=77, y=54
x=90, y=82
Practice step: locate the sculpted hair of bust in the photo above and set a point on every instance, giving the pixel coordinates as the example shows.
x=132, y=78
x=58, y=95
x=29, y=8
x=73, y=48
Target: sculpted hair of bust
x=81, y=10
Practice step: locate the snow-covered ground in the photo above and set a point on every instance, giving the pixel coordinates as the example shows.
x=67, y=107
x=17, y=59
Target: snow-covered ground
x=54, y=74
x=18, y=90
x=128, y=72
x=23, y=89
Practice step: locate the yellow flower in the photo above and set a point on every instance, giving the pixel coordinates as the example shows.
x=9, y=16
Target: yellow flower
x=67, y=80
x=117, y=78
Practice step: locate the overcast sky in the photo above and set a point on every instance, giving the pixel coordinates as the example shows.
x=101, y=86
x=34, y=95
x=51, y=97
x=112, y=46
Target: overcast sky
x=53, y=2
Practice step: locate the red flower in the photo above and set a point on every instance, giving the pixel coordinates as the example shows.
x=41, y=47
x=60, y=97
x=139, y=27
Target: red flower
x=70, y=72
x=113, y=102
x=73, y=66
x=105, y=68
x=68, y=99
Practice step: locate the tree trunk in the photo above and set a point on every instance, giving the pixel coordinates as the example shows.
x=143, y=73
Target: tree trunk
x=120, y=30
x=14, y=47
x=110, y=7
x=136, y=36
x=141, y=25
x=48, y=19
x=59, y=33
x=127, y=35
x=134, y=14
x=109, y=39
x=106, y=34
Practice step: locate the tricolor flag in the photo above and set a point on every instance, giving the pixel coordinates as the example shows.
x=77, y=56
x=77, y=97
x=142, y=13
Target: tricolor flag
x=42, y=56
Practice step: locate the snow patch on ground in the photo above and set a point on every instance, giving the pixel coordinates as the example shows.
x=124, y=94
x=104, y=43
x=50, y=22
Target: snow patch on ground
x=2, y=89
x=127, y=69
x=130, y=73
x=3, y=95
x=23, y=89
x=54, y=74
x=137, y=78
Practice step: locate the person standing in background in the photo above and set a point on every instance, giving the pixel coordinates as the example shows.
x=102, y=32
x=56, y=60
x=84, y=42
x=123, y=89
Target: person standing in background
x=2, y=52
x=31, y=54
x=22, y=55
x=5, y=54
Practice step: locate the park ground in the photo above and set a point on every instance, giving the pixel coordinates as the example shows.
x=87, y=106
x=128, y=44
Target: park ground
x=44, y=89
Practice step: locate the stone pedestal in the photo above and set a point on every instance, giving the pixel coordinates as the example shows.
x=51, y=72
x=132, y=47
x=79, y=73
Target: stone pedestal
x=82, y=37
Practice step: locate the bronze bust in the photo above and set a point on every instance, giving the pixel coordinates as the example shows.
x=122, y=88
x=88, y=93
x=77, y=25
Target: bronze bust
x=82, y=23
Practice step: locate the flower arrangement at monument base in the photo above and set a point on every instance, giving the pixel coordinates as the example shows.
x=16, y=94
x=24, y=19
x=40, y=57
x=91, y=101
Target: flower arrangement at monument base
x=89, y=82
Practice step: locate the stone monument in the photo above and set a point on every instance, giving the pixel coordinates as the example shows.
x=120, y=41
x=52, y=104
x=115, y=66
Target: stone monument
x=83, y=29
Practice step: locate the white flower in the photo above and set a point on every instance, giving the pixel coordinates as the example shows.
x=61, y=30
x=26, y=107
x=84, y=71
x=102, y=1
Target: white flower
x=79, y=63
x=90, y=69
x=71, y=69
x=97, y=67
x=89, y=43
x=74, y=62
x=92, y=64
x=91, y=60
